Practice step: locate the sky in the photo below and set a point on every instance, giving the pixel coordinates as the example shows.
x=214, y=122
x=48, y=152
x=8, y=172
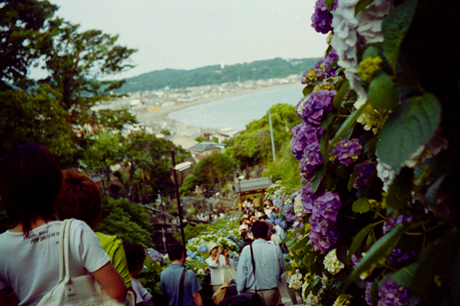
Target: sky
x=187, y=34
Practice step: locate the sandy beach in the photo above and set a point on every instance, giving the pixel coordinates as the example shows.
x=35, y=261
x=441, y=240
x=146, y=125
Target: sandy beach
x=165, y=111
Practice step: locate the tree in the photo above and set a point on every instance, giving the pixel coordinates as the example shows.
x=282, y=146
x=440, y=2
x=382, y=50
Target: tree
x=253, y=146
x=214, y=167
x=23, y=39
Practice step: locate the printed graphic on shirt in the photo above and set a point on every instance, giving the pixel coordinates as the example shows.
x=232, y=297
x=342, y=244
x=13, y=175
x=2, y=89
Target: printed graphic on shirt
x=42, y=235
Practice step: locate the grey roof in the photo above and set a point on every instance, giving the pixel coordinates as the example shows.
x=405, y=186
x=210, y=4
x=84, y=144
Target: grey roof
x=169, y=137
x=205, y=145
x=254, y=184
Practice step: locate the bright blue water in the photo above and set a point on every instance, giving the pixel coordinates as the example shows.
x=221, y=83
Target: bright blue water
x=236, y=112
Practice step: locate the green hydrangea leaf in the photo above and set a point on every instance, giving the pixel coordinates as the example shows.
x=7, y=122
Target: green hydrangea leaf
x=307, y=90
x=405, y=275
x=361, y=205
x=395, y=27
x=382, y=92
x=341, y=94
x=358, y=240
x=361, y=5
x=410, y=126
x=329, y=3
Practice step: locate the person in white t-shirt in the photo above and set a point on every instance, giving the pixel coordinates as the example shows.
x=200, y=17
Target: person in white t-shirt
x=217, y=261
x=135, y=255
x=30, y=179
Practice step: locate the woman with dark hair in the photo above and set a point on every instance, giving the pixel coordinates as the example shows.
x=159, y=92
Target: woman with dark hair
x=135, y=254
x=30, y=179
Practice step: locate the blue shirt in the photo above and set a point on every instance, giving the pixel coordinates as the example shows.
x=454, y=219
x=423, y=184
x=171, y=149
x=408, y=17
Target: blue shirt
x=170, y=282
x=269, y=267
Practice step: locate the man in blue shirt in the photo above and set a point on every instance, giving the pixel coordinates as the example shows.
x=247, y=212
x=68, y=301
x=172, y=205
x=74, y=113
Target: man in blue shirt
x=170, y=279
x=269, y=264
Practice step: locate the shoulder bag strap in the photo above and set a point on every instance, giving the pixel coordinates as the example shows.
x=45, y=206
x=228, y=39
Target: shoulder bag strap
x=253, y=267
x=181, y=288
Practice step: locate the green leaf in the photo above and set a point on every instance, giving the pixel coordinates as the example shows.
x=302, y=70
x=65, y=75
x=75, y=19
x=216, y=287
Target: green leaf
x=317, y=177
x=359, y=238
x=348, y=124
x=395, y=27
x=332, y=65
x=361, y=205
x=375, y=292
x=327, y=120
x=410, y=126
x=361, y=5
x=341, y=94
x=307, y=90
x=405, y=275
x=432, y=192
x=328, y=3
x=352, y=179
x=400, y=190
x=378, y=250
x=382, y=92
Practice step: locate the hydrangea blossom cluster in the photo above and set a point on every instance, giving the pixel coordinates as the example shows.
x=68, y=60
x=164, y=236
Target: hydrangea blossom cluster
x=372, y=118
x=312, y=299
x=317, y=105
x=385, y=173
x=302, y=135
x=323, y=86
x=364, y=171
x=290, y=217
x=343, y=300
x=298, y=209
x=367, y=294
x=296, y=281
x=322, y=18
x=323, y=233
x=311, y=158
x=398, y=256
x=347, y=151
x=308, y=198
x=330, y=58
x=311, y=75
x=155, y=256
x=387, y=226
x=392, y=294
x=332, y=264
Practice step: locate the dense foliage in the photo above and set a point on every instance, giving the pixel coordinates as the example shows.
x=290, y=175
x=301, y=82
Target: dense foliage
x=210, y=75
x=378, y=154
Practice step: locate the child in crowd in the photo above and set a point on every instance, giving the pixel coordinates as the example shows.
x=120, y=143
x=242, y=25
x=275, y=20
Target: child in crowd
x=135, y=254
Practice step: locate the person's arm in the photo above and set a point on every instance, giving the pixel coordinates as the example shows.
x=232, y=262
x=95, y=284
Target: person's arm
x=197, y=299
x=111, y=281
x=241, y=272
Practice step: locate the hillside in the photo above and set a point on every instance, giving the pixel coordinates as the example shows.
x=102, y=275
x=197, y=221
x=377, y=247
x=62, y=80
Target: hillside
x=266, y=69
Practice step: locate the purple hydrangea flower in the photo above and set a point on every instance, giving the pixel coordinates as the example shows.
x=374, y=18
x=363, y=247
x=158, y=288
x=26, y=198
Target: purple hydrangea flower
x=317, y=105
x=392, y=294
x=311, y=158
x=308, y=198
x=311, y=75
x=387, y=226
x=302, y=135
x=398, y=256
x=330, y=58
x=322, y=18
x=323, y=233
x=364, y=171
x=318, y=63
x=347, y=151
x=288, y=213
x=354, y=261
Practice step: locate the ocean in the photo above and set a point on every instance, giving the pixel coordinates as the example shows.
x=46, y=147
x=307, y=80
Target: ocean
x=236, y=112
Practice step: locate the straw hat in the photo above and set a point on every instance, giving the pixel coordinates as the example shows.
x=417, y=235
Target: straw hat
x=211, y=246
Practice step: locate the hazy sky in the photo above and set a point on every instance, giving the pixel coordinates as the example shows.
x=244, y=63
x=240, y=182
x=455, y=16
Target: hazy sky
x=186, y=34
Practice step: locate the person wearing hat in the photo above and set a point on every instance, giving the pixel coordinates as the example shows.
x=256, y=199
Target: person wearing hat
x=217, y=261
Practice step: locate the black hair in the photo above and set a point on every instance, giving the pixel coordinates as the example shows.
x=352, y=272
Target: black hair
x=30, y=179
x=135, y=255
x=259, y=229
x=175, y=251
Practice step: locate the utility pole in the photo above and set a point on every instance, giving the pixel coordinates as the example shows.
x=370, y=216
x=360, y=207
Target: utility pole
x=271, y=134
x=179, y=207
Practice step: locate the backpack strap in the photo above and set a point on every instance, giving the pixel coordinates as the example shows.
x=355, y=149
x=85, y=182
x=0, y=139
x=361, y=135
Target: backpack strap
x=253, y=267
x=181, y=287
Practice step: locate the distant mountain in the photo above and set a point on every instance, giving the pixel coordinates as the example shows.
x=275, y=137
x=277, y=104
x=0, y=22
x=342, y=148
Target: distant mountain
x=209, y=75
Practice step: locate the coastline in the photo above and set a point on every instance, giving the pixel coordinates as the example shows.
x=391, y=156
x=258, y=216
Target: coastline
x=165, y=111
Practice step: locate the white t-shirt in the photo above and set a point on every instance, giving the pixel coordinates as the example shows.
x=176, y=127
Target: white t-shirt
x=31, y=266
x=216, y=269
x=142, y=295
